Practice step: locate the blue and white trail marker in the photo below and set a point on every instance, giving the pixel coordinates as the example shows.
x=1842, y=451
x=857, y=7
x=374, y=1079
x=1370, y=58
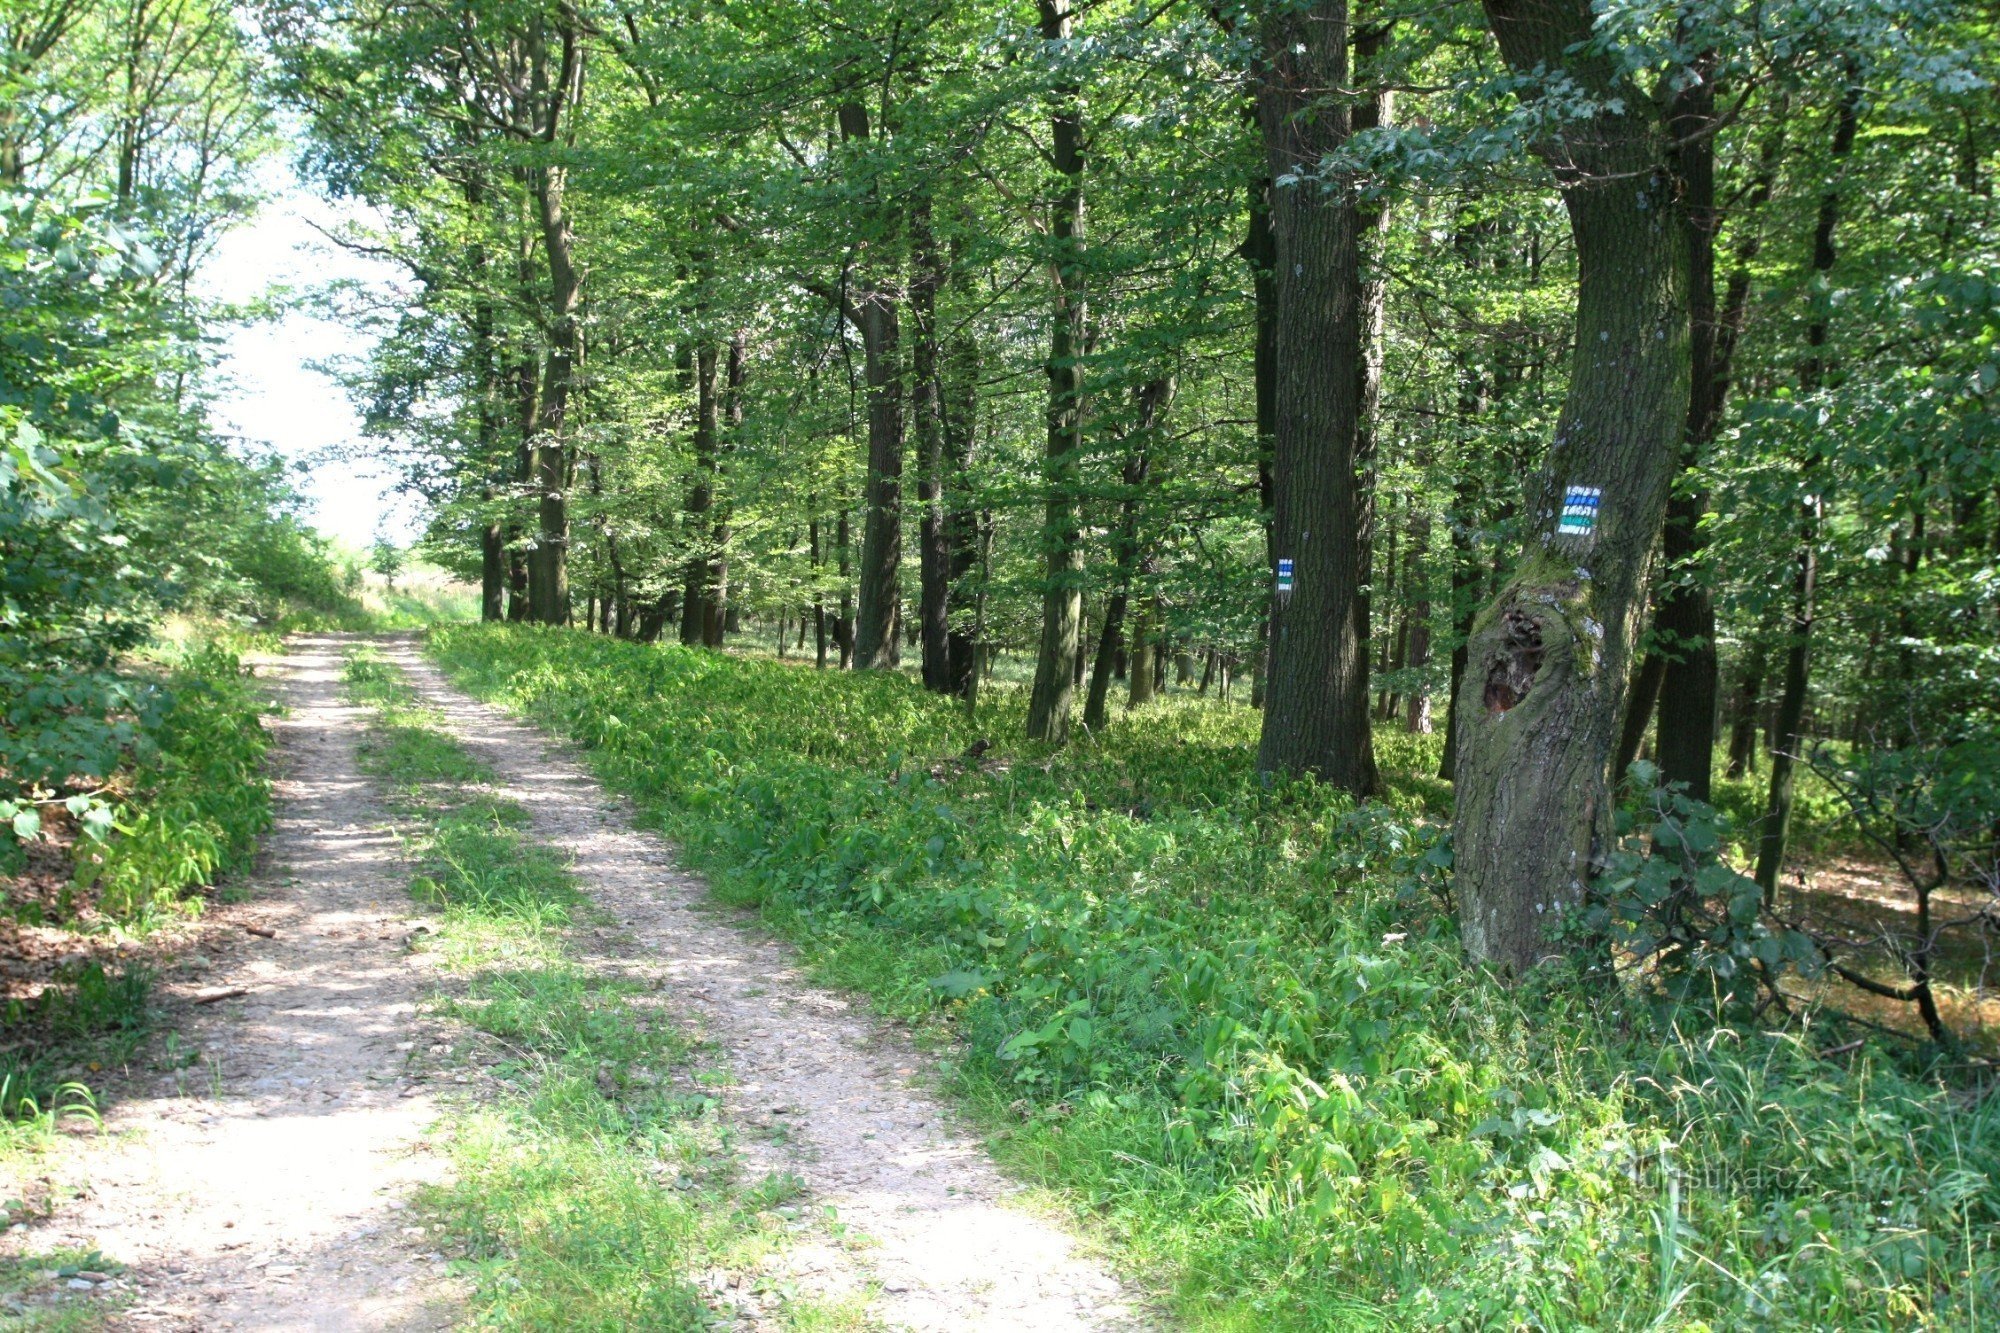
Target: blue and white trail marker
x=1579, y=512
x=1284, y=576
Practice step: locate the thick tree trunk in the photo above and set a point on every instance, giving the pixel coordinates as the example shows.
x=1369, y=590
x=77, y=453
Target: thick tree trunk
x=1145, y=649
x=492, y=572
x=1539, y=708
x=517, y=586
x=1049, y=702
x=1316, y=686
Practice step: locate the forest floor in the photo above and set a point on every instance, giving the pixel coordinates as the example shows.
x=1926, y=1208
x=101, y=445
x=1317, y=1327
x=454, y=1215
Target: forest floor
x=268, y=1170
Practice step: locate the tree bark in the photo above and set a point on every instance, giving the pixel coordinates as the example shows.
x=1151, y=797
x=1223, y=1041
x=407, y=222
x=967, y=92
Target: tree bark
x=1417, y=712
x=1049, y=702
x=927, y=278
x=553, y=88
x=1153, y=399
x=701, y=612
x=1743, y=718
x=1539, y=708
x=958, y=425
x=1684, y=622
x=1316, y=675
x=875, y=315
x=1639, y=704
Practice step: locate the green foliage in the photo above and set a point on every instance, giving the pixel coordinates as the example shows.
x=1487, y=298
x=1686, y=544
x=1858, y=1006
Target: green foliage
x=119, y=501
x=1669, y=902
x=1263, y=1060
x=197, y=799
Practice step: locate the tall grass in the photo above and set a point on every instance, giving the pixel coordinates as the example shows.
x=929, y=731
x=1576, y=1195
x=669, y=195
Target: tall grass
x=1231, y=1022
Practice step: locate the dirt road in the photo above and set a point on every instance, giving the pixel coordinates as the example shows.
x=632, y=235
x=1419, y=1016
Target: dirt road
x=263, y=1183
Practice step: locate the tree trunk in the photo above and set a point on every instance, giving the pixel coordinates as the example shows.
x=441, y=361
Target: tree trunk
x=927, y=278
x=958, y=422
x=1639, y=704
x=1260, y=252
x=1145, y=648
x=819, y=597
x=1062, y=545
x=1417, y=714
x=548, y=562
x=874, y=313
x=517, y=586
x=699, y=612
x=1316, y=675
x=492, y=571
x=1153, y=399
x=1539, y=708
x=1684, y=623
x=1743, y=714
x=1775, y=834
x=843, y=621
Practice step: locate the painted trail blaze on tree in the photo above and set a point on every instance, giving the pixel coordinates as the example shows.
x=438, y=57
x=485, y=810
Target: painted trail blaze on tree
x=1539, y=706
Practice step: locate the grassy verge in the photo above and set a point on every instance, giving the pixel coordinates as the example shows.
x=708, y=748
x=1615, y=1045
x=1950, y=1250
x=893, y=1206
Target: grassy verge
x=594, y=1183
x=1234, y=1025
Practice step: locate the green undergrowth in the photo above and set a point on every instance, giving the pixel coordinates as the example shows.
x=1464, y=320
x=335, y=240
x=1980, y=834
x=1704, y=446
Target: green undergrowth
x=596, y=1182
x=187, y=809
x=197, y=797
x=88, y=1018
x=32, y=1302
x=1234, y=1024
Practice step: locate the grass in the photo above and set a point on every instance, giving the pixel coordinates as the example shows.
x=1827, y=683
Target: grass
x=87, y=1019
x=26, y=1285
x=1231, y=1023
x=597, y=1181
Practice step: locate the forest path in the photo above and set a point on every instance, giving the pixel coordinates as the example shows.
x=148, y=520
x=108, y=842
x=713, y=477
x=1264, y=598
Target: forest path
x=255, y=1175
x=822, y=1088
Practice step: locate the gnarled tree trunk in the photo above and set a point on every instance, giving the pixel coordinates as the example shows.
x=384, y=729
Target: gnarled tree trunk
x=1547, y=663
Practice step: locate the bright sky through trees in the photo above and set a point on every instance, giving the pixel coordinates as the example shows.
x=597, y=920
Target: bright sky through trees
x=272, y=385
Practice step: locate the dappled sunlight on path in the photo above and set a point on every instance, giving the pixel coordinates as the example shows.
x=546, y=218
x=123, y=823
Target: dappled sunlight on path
x=255, y=1175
